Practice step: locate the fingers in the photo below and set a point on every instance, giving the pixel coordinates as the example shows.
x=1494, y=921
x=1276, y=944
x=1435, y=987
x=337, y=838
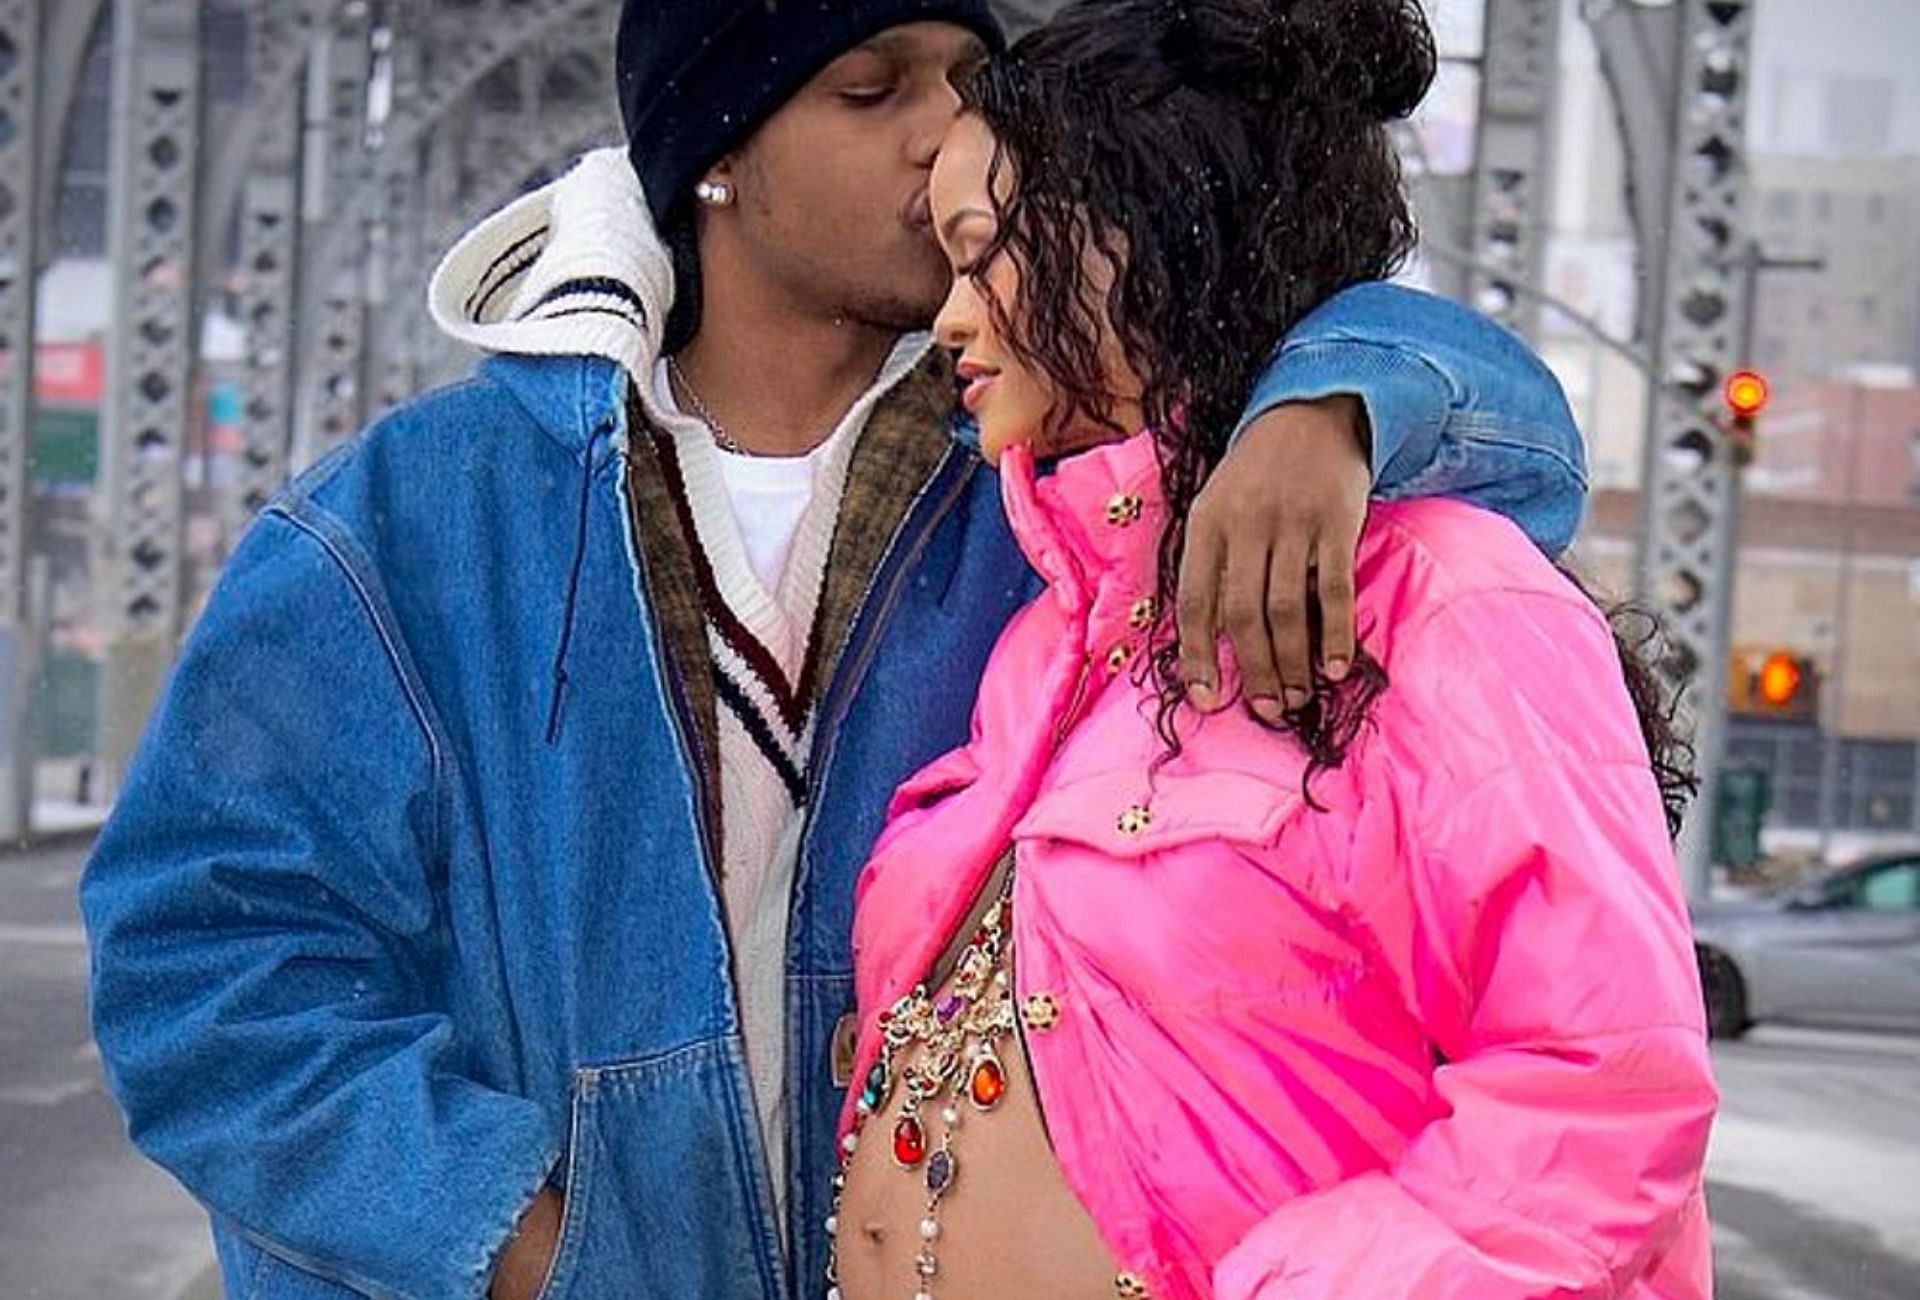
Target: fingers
x=1335, y=588
x=1200, y=570
x=1289, y=635
x=1243, y=609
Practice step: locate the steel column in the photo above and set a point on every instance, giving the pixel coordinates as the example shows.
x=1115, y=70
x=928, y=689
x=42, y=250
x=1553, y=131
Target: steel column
x=1512, y=176
x=1691, y=485
x=19, y=218
x=330, y=379
x=151, y=357
x=269, y=259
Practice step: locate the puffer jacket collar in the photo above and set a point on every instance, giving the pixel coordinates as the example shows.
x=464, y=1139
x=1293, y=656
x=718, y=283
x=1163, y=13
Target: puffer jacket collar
x=1090, y=525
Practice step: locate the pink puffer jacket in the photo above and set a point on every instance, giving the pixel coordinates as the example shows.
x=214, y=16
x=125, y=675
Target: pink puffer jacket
x=1441, y=1040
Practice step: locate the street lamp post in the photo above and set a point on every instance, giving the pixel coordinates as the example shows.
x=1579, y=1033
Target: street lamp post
x=1832, y=707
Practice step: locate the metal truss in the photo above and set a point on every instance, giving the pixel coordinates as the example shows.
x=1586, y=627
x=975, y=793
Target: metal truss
x=150, y=354
x=67, y=30
x=268, y=273
x=491, y=64
x=19, y=204
x=376, y=129
x=478, y=162
x=280, y=39
x=254, y=180
x=1512, y=176
x=397, y=253
x=1694, y=245
x=331, y=334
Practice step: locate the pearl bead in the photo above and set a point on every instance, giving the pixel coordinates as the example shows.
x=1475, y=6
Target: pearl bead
x=950, y=1116
x=929, y=1230
x=833, y=1225
x=850, y=1143
x=923, y=1295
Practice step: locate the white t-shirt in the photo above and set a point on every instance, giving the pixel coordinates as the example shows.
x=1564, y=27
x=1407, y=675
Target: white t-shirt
x=769, y=494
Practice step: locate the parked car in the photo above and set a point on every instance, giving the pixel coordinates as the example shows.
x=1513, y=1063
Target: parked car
x=1842, y=948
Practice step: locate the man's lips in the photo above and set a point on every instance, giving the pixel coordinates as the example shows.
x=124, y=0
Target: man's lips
x=918, y=211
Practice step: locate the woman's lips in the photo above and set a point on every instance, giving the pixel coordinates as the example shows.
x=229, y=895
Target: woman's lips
x=976, y=391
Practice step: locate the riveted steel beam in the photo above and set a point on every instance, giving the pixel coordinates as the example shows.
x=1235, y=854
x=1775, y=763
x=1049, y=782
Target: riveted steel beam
x=1511, y=174
x=19, y=223
x=1695, y=246
x=150, y=356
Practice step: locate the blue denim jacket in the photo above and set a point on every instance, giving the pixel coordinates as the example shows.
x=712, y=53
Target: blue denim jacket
x=373, y=961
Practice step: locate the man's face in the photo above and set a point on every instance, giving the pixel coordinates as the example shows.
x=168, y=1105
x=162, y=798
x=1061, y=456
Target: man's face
x=833, y=188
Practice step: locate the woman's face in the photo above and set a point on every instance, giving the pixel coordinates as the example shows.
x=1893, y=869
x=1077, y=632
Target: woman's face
x=1009, y=399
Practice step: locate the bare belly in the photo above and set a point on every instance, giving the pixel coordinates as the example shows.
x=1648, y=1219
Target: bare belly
x=1009, y=1226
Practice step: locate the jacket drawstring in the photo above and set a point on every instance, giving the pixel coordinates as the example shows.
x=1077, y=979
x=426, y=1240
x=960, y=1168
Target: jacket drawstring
x=573, y=588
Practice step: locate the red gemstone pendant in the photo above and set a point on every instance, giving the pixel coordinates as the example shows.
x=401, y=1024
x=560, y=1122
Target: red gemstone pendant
x=909, y=1142
x=989, y=1083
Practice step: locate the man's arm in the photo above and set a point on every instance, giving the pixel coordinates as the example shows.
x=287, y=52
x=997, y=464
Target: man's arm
x=261, y=910
x=1382, y=389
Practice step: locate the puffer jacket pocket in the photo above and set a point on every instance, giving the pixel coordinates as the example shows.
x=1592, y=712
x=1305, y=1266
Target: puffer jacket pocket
x=1132, y=812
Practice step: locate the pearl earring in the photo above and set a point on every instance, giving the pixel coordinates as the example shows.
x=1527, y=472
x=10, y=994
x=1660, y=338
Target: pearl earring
x=715, y=194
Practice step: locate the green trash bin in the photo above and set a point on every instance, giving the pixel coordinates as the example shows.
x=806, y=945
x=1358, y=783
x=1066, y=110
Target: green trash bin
x=1745, y=796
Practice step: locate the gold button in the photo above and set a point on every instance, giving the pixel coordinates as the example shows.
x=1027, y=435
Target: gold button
x=1135, y=819
x=1144, y=611
x=1118, y=656
x=1041, y=1011
x=1123, y=508
x=1130, y=1286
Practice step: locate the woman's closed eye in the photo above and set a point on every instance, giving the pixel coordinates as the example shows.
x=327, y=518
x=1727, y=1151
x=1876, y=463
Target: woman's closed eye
x=967, y=237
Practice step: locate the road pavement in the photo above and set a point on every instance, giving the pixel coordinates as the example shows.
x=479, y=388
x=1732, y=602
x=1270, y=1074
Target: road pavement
x=1814, y=1178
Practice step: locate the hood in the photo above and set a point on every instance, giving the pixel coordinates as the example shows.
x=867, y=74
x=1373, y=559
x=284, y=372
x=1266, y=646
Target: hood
x=575, y=268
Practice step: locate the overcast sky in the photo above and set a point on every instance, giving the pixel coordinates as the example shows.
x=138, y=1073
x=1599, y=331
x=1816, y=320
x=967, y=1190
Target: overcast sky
x=1802, y=47
x=1822, y=67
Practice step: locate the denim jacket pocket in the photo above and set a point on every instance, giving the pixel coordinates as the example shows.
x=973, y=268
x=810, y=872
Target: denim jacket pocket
x=575, y=1193
x=275, y=1279
x=666, y=1190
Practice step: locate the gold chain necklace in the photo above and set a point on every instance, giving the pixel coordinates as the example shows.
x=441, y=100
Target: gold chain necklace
x=703, y=412
x=961, y=1034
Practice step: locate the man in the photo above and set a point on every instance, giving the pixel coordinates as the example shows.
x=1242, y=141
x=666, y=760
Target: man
x=475, y=918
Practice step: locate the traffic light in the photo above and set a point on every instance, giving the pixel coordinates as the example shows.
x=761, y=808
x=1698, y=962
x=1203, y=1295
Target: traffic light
x=1747, y=393
x=1778, y=684
x=1778, y=680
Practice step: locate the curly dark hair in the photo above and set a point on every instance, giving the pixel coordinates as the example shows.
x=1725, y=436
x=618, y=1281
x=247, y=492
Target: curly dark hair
x=1229, y=163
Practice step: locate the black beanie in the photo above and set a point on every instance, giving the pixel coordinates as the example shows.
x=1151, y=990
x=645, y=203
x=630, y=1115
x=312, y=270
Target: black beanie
x=697, y=77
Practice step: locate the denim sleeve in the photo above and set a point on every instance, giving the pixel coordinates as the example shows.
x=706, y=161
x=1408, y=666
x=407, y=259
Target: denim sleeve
x=261, y=912
x=1459, y=407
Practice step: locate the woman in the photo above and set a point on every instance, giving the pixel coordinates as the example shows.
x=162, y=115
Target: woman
x=1393, y=1000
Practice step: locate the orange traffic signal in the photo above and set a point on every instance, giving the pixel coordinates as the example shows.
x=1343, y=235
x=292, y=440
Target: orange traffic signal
x=1773, y=682
x=1747, y=393
x=1778, y=680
